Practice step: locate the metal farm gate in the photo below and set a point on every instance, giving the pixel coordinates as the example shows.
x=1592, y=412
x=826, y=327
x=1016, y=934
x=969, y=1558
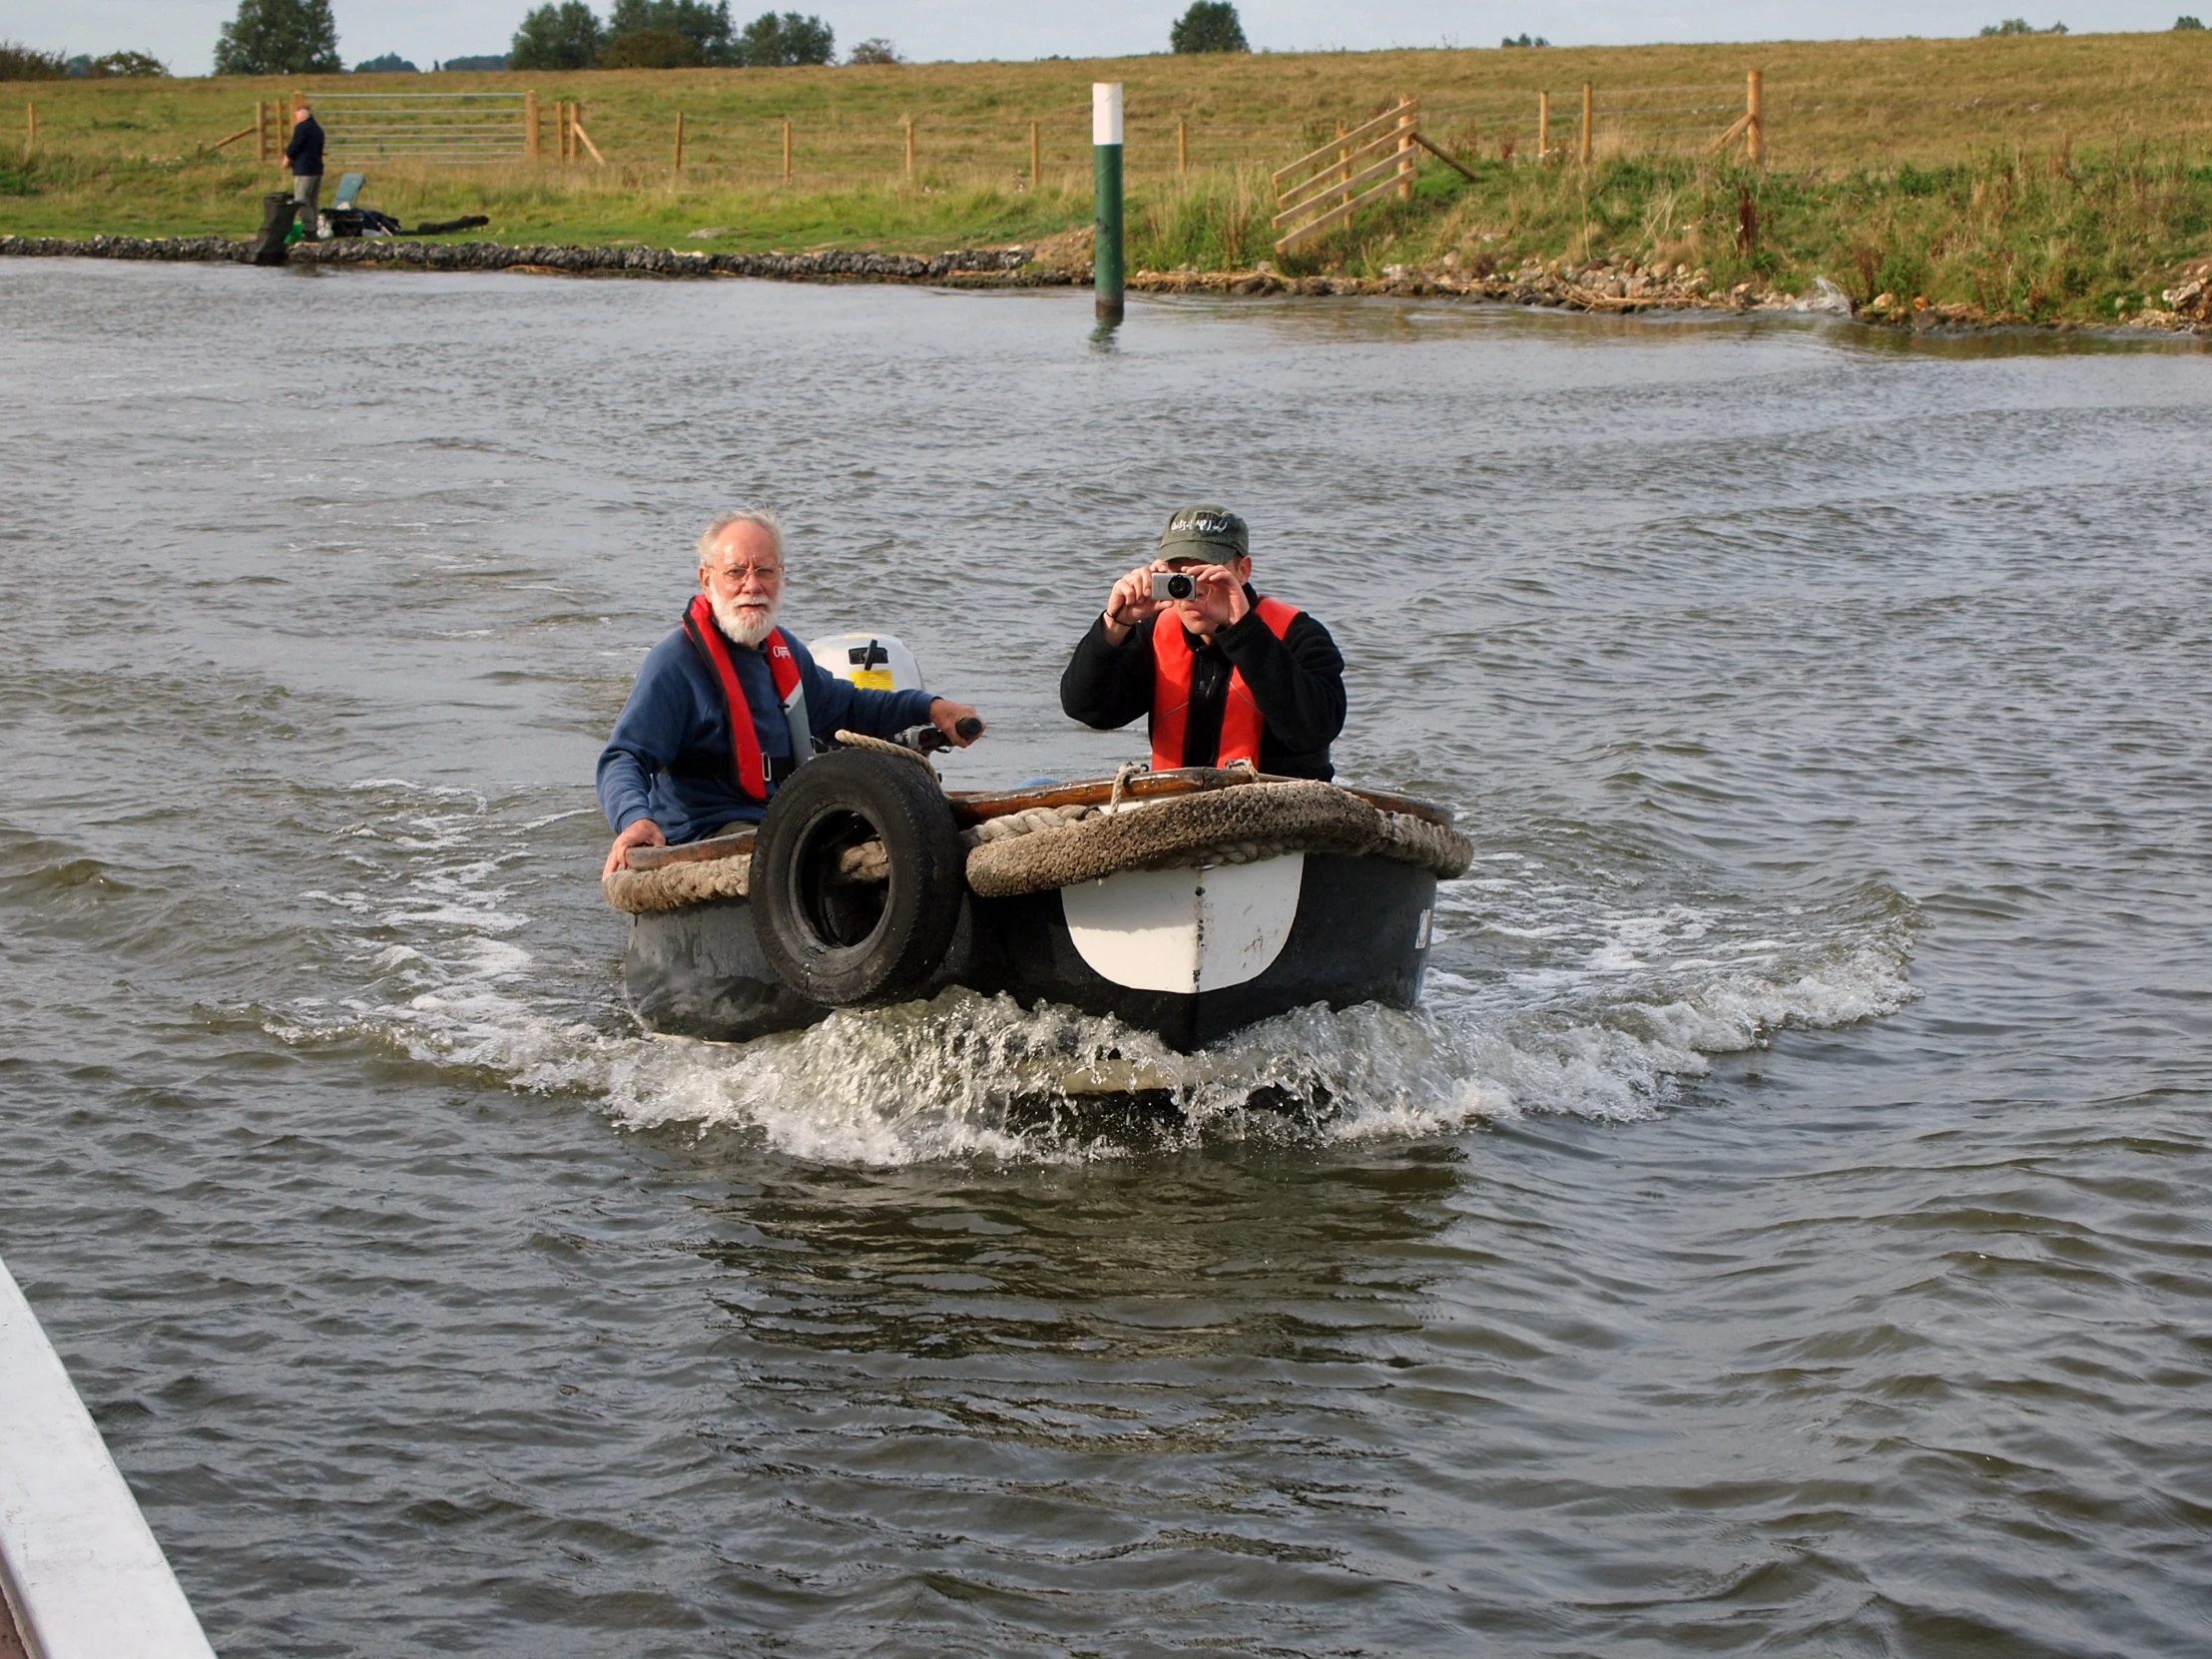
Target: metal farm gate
x=449, y=127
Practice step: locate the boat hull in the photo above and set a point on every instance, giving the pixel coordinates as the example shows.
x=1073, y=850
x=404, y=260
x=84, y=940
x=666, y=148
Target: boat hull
x=1334, y=930
x=1192, y=954
x=698, y=971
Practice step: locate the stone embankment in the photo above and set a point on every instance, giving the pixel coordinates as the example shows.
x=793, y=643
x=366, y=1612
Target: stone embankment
x=1624, y=287
x=632, y=260
x=1629, y=288
x=2188, y=303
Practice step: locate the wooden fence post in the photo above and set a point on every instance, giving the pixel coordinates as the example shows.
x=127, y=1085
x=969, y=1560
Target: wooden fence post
x=910, y=147
x=786, y=150
x=1036, y=159
x=1182, y=146
x=1404, y=154
x=530, y=126
x=1755, y=120
x=30, y=129
x=1588, y=101
x=1543, y=124
x=679, y=167
x=579, y=138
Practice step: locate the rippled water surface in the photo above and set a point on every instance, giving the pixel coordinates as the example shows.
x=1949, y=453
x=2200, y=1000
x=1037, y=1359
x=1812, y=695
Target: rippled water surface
x=1783, y=1230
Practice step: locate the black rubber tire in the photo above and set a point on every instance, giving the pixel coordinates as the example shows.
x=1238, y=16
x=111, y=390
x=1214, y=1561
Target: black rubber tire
x=845, y=946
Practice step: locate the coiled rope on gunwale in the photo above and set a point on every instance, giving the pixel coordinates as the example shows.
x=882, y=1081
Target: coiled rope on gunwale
x=1055, y=846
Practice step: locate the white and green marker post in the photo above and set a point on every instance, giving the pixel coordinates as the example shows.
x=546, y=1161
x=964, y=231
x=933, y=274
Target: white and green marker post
x=1106, y=239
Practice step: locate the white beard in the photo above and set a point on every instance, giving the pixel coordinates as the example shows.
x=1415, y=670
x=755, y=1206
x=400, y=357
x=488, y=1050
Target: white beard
x=744, y=624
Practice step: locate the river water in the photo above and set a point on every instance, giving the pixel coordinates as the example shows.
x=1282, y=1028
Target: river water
x=1782, y=1230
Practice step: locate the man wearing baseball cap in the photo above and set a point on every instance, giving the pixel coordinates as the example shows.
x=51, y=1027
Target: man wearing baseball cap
x=1222, y=673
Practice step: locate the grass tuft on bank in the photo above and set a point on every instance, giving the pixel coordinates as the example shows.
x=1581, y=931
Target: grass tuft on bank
x=2063, y=234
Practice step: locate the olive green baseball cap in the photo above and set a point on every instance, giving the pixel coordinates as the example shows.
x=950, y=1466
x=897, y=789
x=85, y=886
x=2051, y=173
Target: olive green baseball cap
x=1195, y=532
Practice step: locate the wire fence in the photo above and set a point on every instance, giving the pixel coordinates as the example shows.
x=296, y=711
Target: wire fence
x=964, y=133
x=1056, y=143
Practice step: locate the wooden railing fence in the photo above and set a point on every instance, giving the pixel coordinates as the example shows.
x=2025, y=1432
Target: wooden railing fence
x=1322, y=188
x=1327, y=185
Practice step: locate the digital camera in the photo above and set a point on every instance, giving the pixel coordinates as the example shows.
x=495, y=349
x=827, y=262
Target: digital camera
x=1171, y=584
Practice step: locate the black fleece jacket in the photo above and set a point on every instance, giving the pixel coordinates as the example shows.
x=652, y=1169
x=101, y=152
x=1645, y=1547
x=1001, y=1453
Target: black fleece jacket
x=304, y=152
x=1298, y=682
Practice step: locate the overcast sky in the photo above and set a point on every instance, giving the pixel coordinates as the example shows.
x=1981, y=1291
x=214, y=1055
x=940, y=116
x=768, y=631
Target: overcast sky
x=182, y=33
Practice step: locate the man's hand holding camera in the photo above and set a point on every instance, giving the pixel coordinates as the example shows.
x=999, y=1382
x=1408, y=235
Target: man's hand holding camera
x=1130, y=603
x=1205, y=598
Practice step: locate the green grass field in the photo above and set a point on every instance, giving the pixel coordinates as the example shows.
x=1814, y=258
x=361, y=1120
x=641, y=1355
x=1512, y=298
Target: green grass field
x=2050, y=177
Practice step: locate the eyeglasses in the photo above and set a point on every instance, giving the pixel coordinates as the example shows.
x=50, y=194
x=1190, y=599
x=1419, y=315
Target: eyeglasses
x=735, y=575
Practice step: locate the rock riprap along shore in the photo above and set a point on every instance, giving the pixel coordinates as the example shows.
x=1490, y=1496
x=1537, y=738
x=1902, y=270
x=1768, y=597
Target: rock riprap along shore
x=1622, y=287
x=631, y=260
x=1628, y=287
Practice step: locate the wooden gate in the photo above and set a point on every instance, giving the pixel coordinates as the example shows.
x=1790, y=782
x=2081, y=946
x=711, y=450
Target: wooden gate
x=1330, y=185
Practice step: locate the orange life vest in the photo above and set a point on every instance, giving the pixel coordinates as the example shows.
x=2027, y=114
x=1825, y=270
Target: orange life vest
x=1172, y=664
x=744, y=744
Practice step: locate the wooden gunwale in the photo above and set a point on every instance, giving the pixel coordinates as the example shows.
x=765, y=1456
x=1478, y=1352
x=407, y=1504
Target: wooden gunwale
x=972, y=806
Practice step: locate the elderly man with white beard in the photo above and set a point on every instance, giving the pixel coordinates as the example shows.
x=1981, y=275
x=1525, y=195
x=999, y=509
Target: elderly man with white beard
x=726, y=706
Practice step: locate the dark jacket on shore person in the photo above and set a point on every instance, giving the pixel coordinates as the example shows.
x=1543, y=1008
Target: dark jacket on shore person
x=304, y=152
x=1295, y=681
x=668, y=759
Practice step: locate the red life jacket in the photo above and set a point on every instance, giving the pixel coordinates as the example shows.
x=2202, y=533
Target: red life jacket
x=1172, y=662
x=744, y=744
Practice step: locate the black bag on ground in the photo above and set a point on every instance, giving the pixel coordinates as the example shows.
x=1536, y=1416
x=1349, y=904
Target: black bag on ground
x=277, y=212
x=361, y=222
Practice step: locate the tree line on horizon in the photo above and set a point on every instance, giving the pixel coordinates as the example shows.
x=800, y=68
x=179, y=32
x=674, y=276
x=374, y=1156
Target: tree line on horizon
x=671, y=34
x=300, y=36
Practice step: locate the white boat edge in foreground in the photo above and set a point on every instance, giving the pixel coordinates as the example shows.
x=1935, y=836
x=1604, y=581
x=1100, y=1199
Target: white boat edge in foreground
x=84, y=1576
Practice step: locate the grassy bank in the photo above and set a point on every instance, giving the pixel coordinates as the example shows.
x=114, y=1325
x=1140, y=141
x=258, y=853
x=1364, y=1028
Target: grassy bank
x=2046, y=177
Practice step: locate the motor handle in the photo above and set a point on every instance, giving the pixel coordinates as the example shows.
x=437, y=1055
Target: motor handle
x=927, y=740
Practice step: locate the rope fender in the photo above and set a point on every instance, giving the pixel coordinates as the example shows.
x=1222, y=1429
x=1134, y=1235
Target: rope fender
x=1235, y=826
x=1056, y=847
x=640, y=892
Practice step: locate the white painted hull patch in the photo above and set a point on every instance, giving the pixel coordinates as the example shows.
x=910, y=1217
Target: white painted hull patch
x=1185, y=930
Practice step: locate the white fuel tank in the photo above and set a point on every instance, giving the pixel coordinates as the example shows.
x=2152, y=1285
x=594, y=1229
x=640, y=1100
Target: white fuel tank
x=876, y=662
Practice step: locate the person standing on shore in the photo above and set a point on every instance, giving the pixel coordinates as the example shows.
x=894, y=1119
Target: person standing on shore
x=305, y=154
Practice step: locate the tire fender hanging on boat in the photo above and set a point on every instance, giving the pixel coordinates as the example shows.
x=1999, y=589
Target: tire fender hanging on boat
x=843, y=938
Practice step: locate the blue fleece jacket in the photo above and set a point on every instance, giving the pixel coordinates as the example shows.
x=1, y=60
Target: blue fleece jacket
x=670, y=756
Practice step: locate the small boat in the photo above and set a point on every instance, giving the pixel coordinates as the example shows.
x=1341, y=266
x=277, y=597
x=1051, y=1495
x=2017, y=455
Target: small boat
x=1189, y=903
x=82, y=1575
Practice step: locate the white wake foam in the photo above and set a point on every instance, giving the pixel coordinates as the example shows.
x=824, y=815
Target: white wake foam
x=1543, y=999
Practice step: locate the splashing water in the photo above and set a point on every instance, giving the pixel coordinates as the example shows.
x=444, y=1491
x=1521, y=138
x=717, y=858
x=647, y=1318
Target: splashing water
x=1544, y=996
